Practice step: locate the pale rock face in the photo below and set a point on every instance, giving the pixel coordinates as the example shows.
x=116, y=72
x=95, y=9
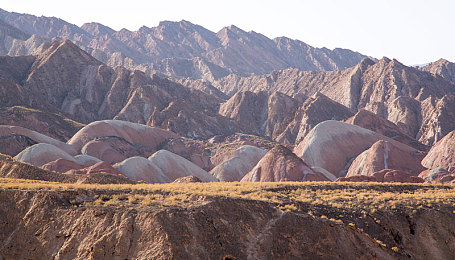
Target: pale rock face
x=242, y=161
x=175, y=166
x=133, y=133
x=442, y=154
x=332, y=145
x=42, y=153
x=280, y=164
x=141, y=169
x=86, y=160
x=385, y=155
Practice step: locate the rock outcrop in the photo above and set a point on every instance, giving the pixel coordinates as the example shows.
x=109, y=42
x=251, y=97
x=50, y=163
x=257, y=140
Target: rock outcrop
x=437, y=175
x=280, y=164
x=388, y=175
x=42, y=153
x=442, y=154
x=385, y=155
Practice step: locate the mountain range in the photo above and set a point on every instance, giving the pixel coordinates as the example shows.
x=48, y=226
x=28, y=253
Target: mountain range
x=180, y=49
x=179, y=103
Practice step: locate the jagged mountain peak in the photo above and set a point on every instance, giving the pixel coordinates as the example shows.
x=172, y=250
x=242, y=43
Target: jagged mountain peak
x=97, y=29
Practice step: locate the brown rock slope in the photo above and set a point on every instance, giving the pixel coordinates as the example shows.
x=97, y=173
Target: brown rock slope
x=151, y=225
x=442, y=154
x=386, y=155
x=50, y=124
x=15, y=139
x=280, y=164
x=404, y=95
x=261, y=113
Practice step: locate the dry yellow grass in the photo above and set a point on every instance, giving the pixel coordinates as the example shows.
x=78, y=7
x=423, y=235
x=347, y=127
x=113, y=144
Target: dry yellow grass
x=289, y=196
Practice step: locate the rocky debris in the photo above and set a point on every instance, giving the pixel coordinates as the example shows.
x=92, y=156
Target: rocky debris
x=239, y=164
x=389, y=175
x=357, y=178
x=280, y=164
x=162, y=167
x=385, y=155
x=140, y=136
x=61, y=165
x=313, y=111
x=375, y=123
x=187, y=179
x=332, y=145
x=42, y=153
x=49, y=124
x=14, y=139
x=97, y=168
x=437, y=175
x=86, y=160
x=442, y=154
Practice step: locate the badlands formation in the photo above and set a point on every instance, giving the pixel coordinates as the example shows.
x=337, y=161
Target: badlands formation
x=226, y=145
